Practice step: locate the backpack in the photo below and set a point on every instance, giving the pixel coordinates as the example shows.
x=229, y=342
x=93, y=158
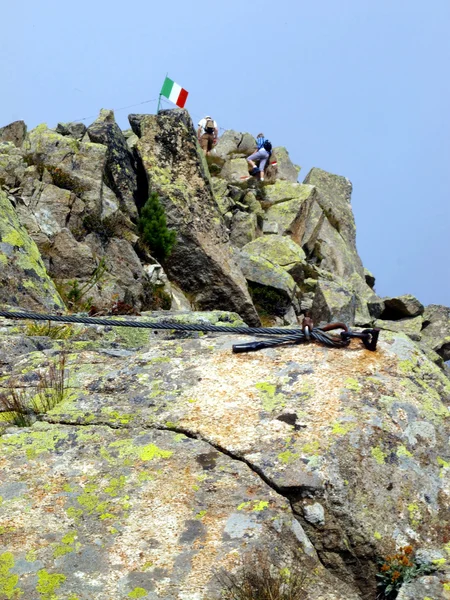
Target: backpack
x=268, y=147
x=209, y=126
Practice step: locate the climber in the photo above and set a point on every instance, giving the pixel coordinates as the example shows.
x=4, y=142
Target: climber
x=207, y=134
x=262, y=155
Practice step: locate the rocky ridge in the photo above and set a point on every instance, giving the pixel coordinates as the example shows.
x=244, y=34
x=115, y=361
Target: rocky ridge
x=332, y=458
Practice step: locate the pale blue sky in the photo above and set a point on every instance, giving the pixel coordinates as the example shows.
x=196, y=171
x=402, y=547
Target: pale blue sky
x=358, y=88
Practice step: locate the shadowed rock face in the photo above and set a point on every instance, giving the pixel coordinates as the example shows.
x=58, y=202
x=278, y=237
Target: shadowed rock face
x=120, y=171
x=201, y=262
x=170, y=457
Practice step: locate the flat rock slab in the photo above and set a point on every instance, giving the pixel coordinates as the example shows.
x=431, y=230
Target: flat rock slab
x=96, y=513
x=105, y=511
x=357, y=441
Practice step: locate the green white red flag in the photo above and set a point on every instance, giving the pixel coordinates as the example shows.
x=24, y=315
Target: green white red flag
x=174, y=92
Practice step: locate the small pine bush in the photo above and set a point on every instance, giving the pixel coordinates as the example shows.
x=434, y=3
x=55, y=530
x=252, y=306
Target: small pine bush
x=152, y=226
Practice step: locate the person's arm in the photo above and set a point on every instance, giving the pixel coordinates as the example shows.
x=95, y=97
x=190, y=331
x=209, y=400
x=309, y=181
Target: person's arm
x=216, y=133
x=199, y=131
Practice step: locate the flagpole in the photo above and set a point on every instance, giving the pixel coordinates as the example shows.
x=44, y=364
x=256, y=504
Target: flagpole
x=159, y=100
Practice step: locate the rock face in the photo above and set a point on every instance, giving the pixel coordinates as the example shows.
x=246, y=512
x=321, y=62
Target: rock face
x=119, y=168
x=58, y=187
x=401, y=307
x=436, y=329
x=168, y=457
x=24, y=281
x=201, y=262
x=14, y=132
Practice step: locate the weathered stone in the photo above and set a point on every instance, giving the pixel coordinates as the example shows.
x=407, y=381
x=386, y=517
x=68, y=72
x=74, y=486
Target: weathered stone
x=281, y=191
x=402, y=306
x=46, y=209
x=136, y=122
x=424, y=588
x=243, y=228
x=289, y=216
x=369, y=277
x=201, y=263
x=126, y=278
x=232, y=142
x=24, y=281
x=286, y=170
x=334, y=198
x=14, y=132
x=314, y=513
x=109, y=468
x=330, y=231
x=235, y=171
x=333, y=302
x=71, y=259
x=279, y=250
x=436, y=329
x=270, y=227
x=12, y=165
x=412, y=326
x=369, y=306
x=253, y=204
x=264, y=272
x=119, y=170
x=132, y=140
x=74, y=166
x=75, y=130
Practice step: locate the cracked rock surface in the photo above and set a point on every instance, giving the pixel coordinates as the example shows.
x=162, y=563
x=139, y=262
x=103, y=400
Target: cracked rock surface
x=170, y=458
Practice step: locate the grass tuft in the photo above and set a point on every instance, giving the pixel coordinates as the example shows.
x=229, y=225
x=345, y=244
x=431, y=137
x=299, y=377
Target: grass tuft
x=22, y=408
x=257, y=578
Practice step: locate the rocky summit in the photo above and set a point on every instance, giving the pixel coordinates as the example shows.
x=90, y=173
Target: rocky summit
x=150, y=463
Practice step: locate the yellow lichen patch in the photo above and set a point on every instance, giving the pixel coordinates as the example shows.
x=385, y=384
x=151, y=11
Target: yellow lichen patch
x=234, y=388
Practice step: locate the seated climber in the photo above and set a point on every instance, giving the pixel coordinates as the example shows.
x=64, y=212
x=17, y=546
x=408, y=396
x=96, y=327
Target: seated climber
x=207, y=134
x=262, y=155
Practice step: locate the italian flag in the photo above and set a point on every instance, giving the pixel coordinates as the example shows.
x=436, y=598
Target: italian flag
x=174, y=92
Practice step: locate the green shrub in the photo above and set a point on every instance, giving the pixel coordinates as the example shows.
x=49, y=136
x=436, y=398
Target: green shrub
x=152, y=226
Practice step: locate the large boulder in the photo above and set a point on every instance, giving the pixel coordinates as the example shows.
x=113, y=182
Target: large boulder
x=231, y=143
x=119, y=167
x=244, y=228
x=290, y=209
x=14, y=132
x=75, y=130
x=410, y=326
x=201, y=262
x=281, y=191
x=436, y=329
x=330, y=232
x=275, y=288
x=12, y=165
x=235, y=171
x=286, y=170
x=335, y=200
x=280, y=250
x=401, y=307
x=24, y=281
x=72, y=165
x=333, y=301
